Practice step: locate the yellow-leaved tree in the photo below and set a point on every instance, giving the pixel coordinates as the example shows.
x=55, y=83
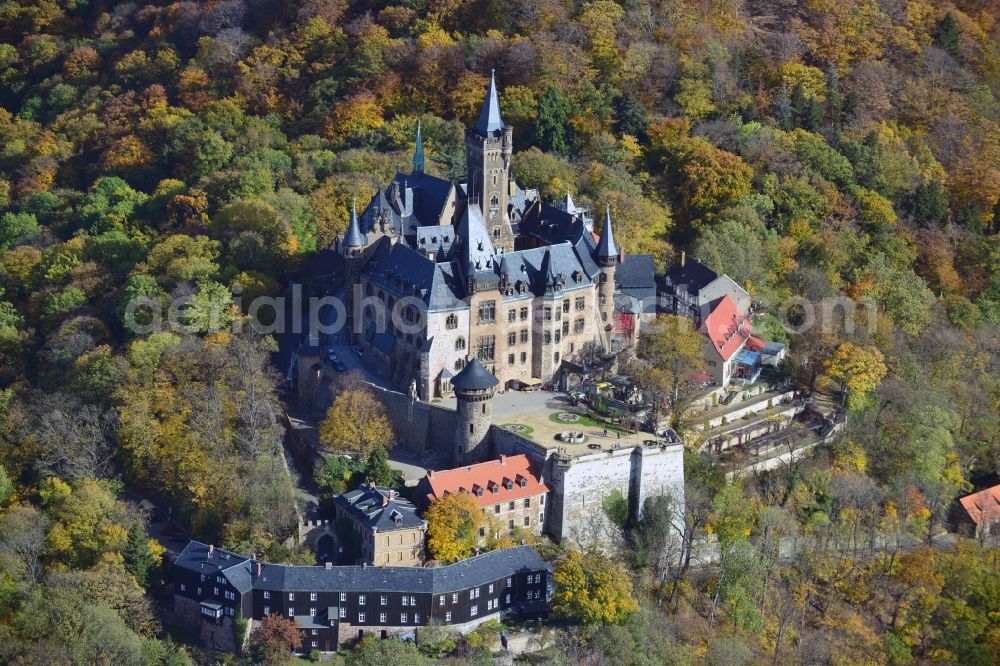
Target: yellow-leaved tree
x=453, y=524
x=593, y=589
x=356, y=423
x=858, y=371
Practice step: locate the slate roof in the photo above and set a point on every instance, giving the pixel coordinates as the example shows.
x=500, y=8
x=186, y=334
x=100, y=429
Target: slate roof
x=406, y=272
x=478, y=570
x=532, y=267
x=474, y=377
x=477, y=251
x=354, y=237
x=636, y=272
x=380, y=509
x=693, y=275
x=195, y=557
x=606, y=247
x=489, y=116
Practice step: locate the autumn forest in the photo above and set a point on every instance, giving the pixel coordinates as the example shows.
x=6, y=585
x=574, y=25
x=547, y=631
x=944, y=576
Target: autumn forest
x=810, y=149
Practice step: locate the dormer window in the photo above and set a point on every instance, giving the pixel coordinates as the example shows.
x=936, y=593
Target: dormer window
x=508, y=485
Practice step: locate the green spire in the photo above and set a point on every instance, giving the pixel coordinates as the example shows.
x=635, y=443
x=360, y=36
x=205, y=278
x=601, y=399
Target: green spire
x=418, y=153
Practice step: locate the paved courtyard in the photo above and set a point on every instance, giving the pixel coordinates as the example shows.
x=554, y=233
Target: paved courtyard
x=534, y=409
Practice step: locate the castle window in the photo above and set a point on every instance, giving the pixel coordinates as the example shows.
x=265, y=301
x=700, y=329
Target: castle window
x=565, y=328
x=524, y=357
x=524, y=314
x=548, y=314
x=512, y=338
x=487, y=312
x=451, y=322
x=558, y=336
x=547, y=338
x=459, y=344
x=580, y=303
x=496, y=232
x=524, y=335
x=459, y=364
x=565, y=305
x=510, y=359
x=556, y=359
x=486, y=347
x=511, y=315
x=578, y=325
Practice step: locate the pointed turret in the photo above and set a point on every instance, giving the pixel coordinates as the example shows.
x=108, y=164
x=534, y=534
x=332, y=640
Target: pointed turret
x=354, y=237
x=418, y=152
x=568, y=205
x=489, y=117
x=607, y=251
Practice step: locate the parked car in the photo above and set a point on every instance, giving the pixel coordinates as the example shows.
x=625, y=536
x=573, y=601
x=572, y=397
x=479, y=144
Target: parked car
x=339, y=366
x=331, y=354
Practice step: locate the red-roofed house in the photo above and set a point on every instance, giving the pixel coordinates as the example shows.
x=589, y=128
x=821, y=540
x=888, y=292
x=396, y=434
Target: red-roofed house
x=981, y=512
x=507, y=490
x=727, y=331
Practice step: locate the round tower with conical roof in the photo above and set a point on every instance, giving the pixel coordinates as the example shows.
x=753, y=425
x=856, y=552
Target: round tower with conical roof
x=474, y=387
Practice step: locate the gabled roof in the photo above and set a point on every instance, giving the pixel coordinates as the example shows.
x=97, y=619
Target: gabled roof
x=984, y=506
x=636, y=272
x=726, y=328
x=490, y=476
x=489, y=116
x=692, y=275
x=477, y=248
x=474, y=377
x=406, y=272
x=379, y=509
x=208, y=560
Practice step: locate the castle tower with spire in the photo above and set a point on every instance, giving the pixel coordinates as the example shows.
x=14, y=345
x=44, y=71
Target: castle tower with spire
x=418, y=153
x=606, y=256
x=352, y=249
x=488, y=147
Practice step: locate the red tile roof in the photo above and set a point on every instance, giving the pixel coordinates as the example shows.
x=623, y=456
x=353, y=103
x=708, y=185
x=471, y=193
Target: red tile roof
x=487, y=476
x=983, y=506
x=727, y=328
x=755, y=344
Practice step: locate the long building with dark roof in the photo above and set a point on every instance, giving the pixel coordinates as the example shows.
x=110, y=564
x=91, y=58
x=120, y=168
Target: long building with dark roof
x=481, y=269
x=333, y=605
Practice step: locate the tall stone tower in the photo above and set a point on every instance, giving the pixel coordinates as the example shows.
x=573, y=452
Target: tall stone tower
x=474, y=387
x=606, y=256
x=488, y=146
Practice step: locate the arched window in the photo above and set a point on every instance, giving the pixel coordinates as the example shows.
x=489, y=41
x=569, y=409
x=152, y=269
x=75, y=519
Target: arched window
x=451, y=322
x=459, y=344
x=496, y=232
x=459, y=364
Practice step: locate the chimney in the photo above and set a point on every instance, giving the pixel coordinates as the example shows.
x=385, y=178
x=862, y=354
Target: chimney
x=683, y=258
x=430, y=474
x=385, y=500
x=260, y=567
x=503, y=459
x=211, y=550
x=371, y=484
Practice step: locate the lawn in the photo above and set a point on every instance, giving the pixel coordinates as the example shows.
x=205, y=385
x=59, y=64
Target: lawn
x=586, y=421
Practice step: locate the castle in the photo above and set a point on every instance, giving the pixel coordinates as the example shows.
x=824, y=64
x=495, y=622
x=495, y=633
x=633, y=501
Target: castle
x=436, y=272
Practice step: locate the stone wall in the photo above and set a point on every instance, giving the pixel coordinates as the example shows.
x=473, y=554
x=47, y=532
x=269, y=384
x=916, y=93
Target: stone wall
x=419, y=426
